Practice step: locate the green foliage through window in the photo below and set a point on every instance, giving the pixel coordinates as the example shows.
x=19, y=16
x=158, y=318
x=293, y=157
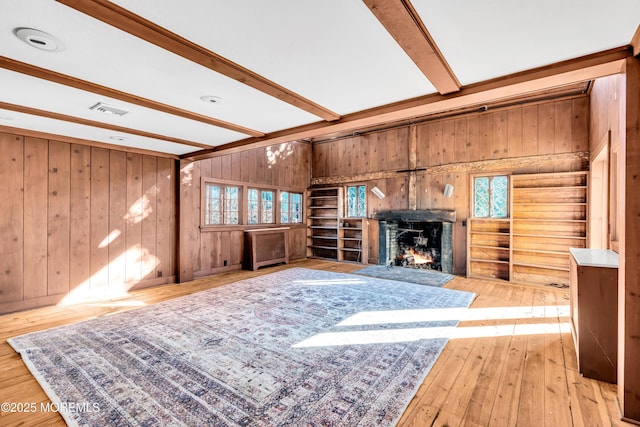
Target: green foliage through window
x=491, y=196
x=290, y=207
x=357, y=201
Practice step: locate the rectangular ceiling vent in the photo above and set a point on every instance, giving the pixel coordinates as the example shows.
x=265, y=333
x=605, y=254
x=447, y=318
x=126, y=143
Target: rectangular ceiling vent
x=109, y=109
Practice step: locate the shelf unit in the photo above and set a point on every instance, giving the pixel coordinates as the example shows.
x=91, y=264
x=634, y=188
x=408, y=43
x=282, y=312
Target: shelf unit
x=353, y=240
x=488, y=248
x=329, y=234
x=548, y=216
x=324, y=212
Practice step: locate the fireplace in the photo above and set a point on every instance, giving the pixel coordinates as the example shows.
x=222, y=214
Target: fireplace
x=417, y=239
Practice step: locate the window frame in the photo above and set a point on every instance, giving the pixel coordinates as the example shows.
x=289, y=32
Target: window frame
x=261, y=206
x=357, y=186
x=223, y=204
x=490, y=177
x=290, y=211
x=243, y=211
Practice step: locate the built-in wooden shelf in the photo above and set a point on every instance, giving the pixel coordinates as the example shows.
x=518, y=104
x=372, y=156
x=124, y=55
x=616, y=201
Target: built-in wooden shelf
x=325, y=224
x=547, y=217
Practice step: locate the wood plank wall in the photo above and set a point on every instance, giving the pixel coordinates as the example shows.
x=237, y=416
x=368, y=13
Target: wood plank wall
x=284, y=166
x=81, y=222
x=541, y=136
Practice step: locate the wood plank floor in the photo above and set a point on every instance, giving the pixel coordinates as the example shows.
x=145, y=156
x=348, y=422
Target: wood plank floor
x=510, y=364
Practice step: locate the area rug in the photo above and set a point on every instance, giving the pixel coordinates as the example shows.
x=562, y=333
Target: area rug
x=291, y=348
x=403, y=274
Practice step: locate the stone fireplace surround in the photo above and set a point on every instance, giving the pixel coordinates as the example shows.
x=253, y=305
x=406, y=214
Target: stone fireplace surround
x=391, y=220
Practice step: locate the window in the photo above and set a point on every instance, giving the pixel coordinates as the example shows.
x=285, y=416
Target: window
x=357, y=201
x=260, y=206
x=290, y=207
x=222, y=204
x=490, y=196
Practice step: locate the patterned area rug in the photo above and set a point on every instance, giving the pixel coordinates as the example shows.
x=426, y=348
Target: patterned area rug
x=403, y=274
x=293, y=348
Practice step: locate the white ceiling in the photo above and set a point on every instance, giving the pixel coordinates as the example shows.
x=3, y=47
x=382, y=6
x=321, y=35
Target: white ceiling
x=332, y=52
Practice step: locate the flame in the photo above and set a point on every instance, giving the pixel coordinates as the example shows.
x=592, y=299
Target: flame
x=419, y=258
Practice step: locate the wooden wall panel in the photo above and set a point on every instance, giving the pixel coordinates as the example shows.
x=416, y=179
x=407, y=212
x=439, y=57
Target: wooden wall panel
x=99, y=227
x=36, y=155
x=76, y=212
x=12, y=219
x=495, y=137
x=287, y=166
x=80, y=215
x=58, y=223
x=116, y=243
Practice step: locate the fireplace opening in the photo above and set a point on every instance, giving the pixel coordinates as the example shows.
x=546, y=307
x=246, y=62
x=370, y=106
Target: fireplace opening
x=417, y=239
x=418, y=245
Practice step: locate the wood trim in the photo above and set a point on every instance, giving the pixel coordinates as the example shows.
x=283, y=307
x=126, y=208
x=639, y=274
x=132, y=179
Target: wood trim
x=72, y=140
x=482, y=166
x=635, y=42
x=52, y=76
x=81, y=121
x=563, y=73
x=137, y=26
x=402, y=21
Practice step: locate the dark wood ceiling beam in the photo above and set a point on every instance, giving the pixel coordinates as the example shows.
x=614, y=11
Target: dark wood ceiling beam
x=403, y=23
x=52, y=76
x=137, y=26
x=93, y=123
x=563, y=73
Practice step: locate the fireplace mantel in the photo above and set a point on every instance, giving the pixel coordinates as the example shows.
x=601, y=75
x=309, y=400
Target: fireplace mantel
x=408, y=215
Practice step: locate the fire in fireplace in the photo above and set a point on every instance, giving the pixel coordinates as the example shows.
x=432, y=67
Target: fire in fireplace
x=418, y=245
x=417, y=239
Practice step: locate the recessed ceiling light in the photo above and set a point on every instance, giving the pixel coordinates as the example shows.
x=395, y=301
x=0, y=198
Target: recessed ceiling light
x=39, y=39
x=210, y=99
x=118, y=138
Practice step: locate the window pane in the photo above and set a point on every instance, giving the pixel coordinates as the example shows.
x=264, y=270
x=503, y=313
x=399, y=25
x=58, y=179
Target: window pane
x=252, y=208
x=284, y=207
x=499, y=199
x=267, y=207
x=296, y=207
x=212, y=205
x=481, y=197
x=362, y=201
x=352, y=194
x=231, y=205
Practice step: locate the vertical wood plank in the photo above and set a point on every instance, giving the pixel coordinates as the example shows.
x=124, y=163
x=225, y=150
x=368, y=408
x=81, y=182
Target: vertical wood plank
x=236, y=166
x=36, y=171
x=99, y=230
x=436, y=143
x=580, y=124
x=149, y=223
x=80, y=217
x=514, y=132
x=455, y=131
x=58, y=222
x=530, y=130
x=117, y=214
x=12, y=220
x=187, y=233
x=546, y=128
x=563, y=126
x=216, y=168
x=501, y=123
x=135, y=212
x=475, y=144
x=165, y=214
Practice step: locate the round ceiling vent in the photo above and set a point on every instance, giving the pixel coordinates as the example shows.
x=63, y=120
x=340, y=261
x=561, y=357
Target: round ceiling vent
x=39, y=39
